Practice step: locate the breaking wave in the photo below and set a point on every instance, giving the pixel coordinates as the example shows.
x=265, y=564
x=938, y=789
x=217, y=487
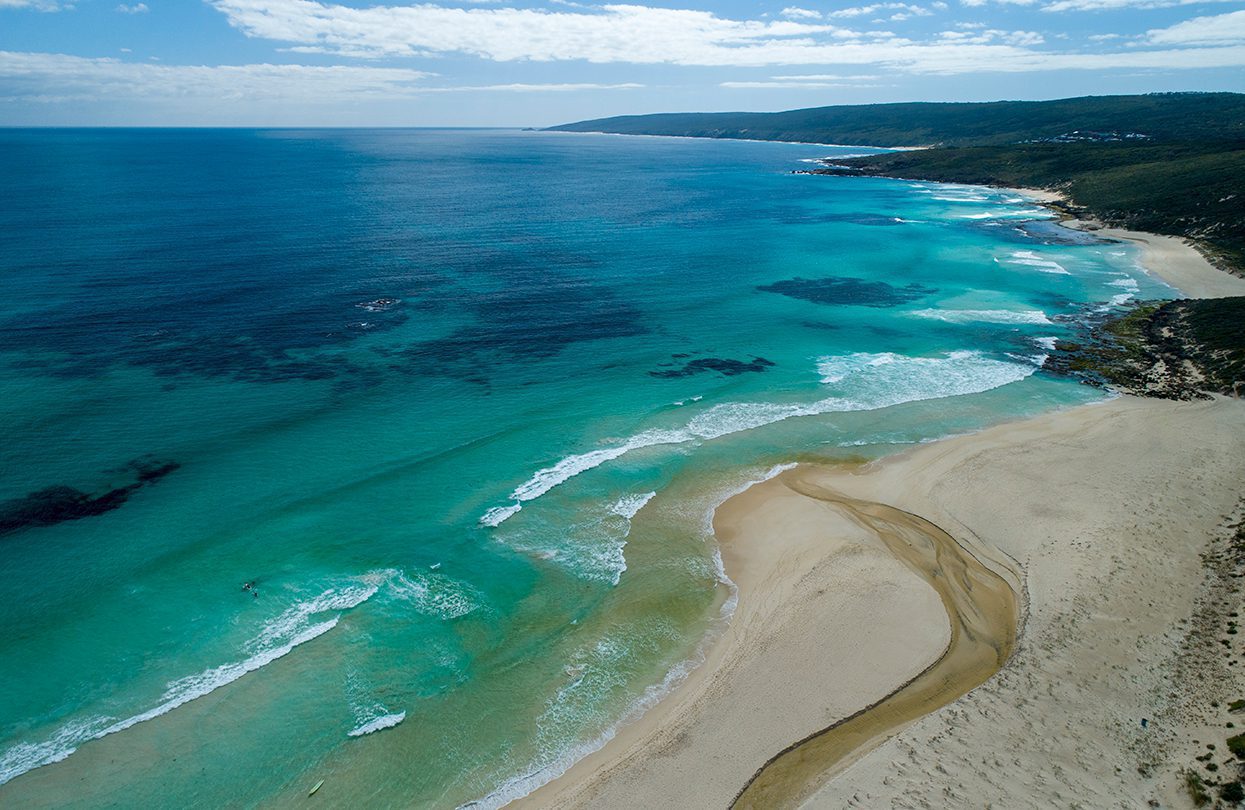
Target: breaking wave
x=298, y=624
x=1027, y=258
x=1029, y=316
x=875, y=381
x=377, y=724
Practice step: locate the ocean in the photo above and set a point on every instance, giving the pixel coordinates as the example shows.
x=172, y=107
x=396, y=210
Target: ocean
x=457, y=406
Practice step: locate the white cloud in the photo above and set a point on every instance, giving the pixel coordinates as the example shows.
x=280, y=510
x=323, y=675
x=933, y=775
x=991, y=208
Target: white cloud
x=975, y=36
x=1218, y=30
x=36, y=5
x=795, y=13
x=49, y=77
x=975, y=3
x=615, y=33
x=137, y=8
x=787, y=85
x=60, y=77
x=534, y=88
x=826, y=77
x=634, y=34
x=1107, y=5
x=904, y=11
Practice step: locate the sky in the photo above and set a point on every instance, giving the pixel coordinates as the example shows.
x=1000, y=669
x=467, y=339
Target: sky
x=542, y=62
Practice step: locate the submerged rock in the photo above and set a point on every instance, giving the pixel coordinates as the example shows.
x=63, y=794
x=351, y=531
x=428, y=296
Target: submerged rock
x=379, y=304
x=58, y=504
x=722, y=365
x=848, y=290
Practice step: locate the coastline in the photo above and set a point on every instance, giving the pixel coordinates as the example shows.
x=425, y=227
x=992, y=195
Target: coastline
x=1168, y=258
x=802, y=573
x=1100, y=505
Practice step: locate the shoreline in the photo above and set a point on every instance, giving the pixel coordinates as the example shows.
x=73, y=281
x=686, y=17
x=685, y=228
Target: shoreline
x=622, y=762
x=807, y=572
x=1170, y=259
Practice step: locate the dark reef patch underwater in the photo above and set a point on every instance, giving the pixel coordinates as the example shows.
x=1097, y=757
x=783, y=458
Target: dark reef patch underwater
x=57, y=504
x=722, y=365
x=848, y=290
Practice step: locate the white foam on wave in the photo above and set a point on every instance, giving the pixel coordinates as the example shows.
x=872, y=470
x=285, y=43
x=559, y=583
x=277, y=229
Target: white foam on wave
x=591, y=546
x=435, y=594
x=878, y=381
x=1027, y=258
x=498, y=514
x=874, y=442
x=539, y=774
x=1047, y=343
x=964, y=199
x=1121, y=299
x=1020, y=213
x=628, y=506
x=377, y=724
x=276, y=639
x=571, y=466
x=1127, y=283
x=719, y=568
x=1028, y=316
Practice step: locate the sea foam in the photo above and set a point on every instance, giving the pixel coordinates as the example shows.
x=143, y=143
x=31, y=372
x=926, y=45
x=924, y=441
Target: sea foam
x=1027, y=258
x=878, y=381
x=628, y=506
x=1028, y=316
x=435, y=594
x=377, y=724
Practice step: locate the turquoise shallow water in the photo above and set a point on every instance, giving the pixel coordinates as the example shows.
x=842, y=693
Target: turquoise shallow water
x=459, y=404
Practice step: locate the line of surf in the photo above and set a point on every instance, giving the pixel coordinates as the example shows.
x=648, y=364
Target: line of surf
x=873, y=381
x=276, y=639
x=538, y=774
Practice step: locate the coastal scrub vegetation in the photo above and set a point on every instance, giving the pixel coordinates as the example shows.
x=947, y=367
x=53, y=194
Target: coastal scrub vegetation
x=1157, y=116
x=1173, y=350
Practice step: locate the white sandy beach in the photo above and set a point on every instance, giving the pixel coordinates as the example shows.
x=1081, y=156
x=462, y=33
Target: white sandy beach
x=1168, y=258
x=1097, y=516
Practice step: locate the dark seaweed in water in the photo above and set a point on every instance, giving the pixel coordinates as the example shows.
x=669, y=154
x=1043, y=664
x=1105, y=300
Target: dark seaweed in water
x=796, y=216
x=57, y=504
x=848, y=290
x=521, y=322
x=724, y=366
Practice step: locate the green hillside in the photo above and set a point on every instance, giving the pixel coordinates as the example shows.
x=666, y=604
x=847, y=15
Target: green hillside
x=1162, y=116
